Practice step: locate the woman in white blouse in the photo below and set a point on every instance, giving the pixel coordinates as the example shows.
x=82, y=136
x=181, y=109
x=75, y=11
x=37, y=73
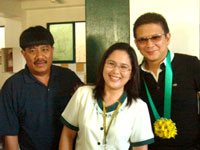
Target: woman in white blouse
x=109, y=115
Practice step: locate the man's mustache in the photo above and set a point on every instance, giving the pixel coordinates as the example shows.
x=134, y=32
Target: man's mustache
x=40, y=61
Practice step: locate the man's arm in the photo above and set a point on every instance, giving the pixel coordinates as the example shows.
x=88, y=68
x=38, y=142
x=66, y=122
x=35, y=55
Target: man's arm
x=11, y=143
x=67, y=139
x=145, y=147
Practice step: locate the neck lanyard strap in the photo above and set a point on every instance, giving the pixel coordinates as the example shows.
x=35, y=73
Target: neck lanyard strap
x=104, y=119
x=168, y=87
x=167, y=91
x=154, y=110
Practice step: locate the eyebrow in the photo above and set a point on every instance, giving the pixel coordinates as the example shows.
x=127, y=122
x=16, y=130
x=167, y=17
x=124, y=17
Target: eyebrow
x=120, y=63
x=150, y=36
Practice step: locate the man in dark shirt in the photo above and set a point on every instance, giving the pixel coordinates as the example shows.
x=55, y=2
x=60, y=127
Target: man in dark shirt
x=33, y=99
x=170, y=83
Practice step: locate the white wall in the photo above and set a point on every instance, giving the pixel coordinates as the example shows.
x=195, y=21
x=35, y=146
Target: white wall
x=11, y=16
x=183, y=21
x=182, y=17
x=13, y=29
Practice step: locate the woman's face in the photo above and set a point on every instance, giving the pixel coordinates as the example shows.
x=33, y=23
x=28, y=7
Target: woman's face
x=117, y=70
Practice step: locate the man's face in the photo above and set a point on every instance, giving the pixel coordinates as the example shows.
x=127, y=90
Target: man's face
x=152, y=42
x=39, y=59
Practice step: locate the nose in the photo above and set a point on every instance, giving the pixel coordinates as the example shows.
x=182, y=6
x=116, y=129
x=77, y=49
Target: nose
x=116, y=69
x=149, y=43
x=39, y=53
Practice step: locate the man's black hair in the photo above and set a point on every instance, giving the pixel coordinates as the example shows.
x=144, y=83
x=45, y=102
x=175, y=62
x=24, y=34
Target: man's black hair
x=37, y=35
x=151, y=17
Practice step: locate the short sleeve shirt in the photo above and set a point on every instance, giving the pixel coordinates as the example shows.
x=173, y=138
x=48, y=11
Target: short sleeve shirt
x=32, y=110
x=131, y=125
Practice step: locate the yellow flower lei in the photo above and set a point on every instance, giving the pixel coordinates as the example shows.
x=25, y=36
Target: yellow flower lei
x=165, y=128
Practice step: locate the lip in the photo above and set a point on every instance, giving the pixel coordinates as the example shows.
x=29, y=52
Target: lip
x=151, y=52
x=40, y=64
x=114, y=78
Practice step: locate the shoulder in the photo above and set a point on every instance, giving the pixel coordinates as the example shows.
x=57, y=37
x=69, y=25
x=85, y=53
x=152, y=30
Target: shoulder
x=184, y=57
x=85, y=89
x=14, y=83
x=139, y=108
x=184, y=62
x=83, y=94
x=139, y=103
x=61, y=70
x=17, y=77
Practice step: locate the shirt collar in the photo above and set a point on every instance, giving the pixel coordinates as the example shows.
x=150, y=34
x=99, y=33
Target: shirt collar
x=159, y=69
x=114, y=106
x=29, y=78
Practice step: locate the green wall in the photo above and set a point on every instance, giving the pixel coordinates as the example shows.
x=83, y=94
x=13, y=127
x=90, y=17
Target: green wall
x=107, y=22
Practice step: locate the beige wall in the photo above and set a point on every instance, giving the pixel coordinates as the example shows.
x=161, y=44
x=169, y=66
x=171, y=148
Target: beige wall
x=17, y=16
x=10, y=8
x=43, y=11
x=12, y=32
x=67, y=14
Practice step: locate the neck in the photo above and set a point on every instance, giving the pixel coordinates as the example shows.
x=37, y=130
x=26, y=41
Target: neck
x=155, y=65
x=152, y=66
x=112, y=96
x=43, y=78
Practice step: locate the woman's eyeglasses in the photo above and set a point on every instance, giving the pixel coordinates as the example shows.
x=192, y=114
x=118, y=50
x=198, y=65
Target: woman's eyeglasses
x=123, y=68
x=154, y=39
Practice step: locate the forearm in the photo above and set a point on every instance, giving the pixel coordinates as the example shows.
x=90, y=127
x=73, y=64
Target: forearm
x=11, y=143
x=145, y=147
x=67, y=139
x=65, y=144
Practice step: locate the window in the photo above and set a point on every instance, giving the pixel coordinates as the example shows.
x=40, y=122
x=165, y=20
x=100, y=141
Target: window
x=70, y=42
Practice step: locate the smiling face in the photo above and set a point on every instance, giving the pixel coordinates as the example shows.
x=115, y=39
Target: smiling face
x=117, y=70
x=39, y=59
x=154, y=50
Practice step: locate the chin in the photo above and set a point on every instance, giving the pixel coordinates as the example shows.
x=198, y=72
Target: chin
x=115, y=87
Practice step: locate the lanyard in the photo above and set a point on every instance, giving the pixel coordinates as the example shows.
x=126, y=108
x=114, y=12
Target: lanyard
x=104, y=119
x=167, y=91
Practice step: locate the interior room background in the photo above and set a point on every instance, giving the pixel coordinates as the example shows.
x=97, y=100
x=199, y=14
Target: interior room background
x=17, y=15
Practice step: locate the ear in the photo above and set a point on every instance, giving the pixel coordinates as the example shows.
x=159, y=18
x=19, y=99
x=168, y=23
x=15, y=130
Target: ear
x=23, y=52
x=135, y=41
x=168, y=37
x=52, y=48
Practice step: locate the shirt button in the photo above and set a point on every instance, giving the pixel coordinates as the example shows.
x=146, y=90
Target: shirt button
x=101, y=128
x=98, y=143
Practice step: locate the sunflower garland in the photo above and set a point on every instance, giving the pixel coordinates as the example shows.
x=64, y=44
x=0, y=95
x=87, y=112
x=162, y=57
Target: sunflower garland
x=165, y=128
